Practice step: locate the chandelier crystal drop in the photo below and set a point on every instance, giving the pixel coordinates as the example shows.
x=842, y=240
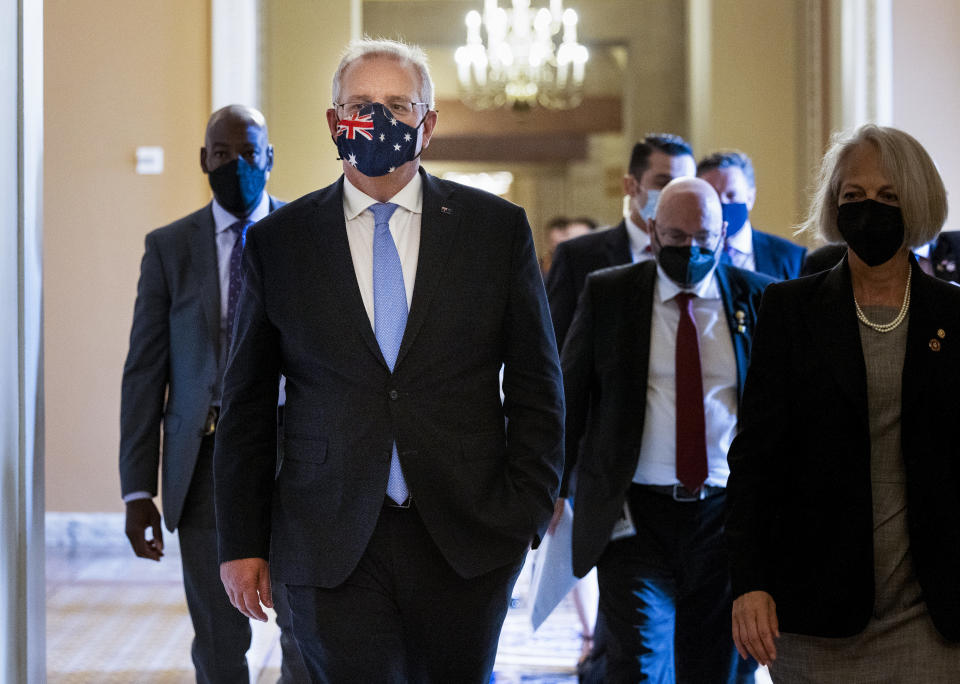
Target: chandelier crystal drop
x=530, y=57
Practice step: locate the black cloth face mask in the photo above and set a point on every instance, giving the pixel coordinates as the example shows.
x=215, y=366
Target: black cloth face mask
x=238, y=186
x=873, y=230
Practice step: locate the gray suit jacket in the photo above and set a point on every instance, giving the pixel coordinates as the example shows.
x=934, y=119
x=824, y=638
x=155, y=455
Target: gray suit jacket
x=170, y=375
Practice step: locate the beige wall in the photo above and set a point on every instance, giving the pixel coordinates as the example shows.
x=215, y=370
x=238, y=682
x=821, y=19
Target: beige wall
x=746, y=93
x=118, y=74
x=303, y=40
x=926, y=83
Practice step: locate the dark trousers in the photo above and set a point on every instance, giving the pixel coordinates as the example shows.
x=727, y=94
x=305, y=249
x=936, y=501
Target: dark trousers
x=665, y=595
x=403, y=615
x=221, y=633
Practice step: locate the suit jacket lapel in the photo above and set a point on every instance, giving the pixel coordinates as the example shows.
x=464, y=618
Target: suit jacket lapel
x=438, y=226
x=740, y=319
x=203, y=252
x=923, y=329
x=762, y=261
x=832, y=321
x=636, y=337
x=337, y=265
x=618, y=245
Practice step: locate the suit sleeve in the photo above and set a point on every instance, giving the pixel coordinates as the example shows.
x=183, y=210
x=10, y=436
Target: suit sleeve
x=532, y=387
x=145, y=377
x=561, y=292
x=822, y=259
x=577, y=365
x=798, y=258
x=245, y=454
x=754, y=455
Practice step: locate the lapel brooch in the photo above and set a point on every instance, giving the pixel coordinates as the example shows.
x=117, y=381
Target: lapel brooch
x=741, y=317
x=934, y=342
x=446, y=210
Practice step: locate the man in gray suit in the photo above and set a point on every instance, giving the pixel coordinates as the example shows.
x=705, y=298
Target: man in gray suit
x=182, y=323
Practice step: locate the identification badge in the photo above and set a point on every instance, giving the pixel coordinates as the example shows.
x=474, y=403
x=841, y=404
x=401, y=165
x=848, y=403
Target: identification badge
x=624, y=526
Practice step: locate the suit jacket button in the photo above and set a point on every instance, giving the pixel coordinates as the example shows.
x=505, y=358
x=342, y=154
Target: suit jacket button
x=394, y=395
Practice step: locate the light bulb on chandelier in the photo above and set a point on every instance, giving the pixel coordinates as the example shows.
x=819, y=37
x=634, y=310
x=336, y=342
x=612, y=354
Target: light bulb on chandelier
x=520, y=65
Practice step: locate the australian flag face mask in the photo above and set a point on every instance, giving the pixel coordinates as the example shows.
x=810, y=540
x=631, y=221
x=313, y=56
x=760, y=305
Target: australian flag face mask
x=375, y=142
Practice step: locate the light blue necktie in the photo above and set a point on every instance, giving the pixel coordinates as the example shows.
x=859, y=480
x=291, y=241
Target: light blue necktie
x=389, y=315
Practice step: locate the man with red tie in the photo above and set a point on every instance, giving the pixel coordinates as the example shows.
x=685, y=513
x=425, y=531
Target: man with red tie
x=654, y=161
x=653, y=367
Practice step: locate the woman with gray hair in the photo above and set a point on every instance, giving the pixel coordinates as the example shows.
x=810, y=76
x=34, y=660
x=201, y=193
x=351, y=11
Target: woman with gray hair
x=844, y=490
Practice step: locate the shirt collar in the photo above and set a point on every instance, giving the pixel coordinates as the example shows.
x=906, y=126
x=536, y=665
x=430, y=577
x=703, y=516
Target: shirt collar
x=705, y=289
x=639, y=239
x=924, y=250
x=223, y=219
x=743, y=240
x=410, y=197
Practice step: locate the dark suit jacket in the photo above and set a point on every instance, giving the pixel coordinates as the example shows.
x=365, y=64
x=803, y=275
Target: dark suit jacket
x=800, y=521
x=945, y=257
x=483, y=476
x=777, y=257
x=170, y=375
x=605, y=363
x=573, y=260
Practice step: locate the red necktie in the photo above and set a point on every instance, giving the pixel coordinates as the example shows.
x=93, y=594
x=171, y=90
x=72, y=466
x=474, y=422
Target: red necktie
x=691, y=433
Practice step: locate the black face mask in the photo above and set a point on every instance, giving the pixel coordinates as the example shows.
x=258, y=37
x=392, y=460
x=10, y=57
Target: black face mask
x=238, y=186
x=686, y=266
x=873, y=230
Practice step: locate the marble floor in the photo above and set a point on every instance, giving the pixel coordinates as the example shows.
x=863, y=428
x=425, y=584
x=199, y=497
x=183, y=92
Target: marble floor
x=113, y=618
x=135, y=628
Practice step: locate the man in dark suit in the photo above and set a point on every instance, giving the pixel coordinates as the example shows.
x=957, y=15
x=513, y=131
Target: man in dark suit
x=654, y=162
x=653, y=366
x=172, y=379
x=730, y=172
x=409, y=492
x=940, y=258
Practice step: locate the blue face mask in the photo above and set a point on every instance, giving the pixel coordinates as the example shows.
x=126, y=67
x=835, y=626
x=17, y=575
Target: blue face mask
x=735, y=214
x=650, y=208
x=375, y=142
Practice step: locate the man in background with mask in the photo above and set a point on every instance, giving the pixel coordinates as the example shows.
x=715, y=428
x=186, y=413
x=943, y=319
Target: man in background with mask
x=409, y=492
x=182, y=324
x=730, y=172
x=654, y=162
x=653, y=368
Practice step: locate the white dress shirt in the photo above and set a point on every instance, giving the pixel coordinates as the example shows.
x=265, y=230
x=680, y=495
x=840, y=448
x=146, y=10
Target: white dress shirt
x=404, y=227
x=657, y=464
x=741, y=246
x=640, y=249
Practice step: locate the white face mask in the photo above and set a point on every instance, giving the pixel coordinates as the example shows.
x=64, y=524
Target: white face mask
x=650, y=208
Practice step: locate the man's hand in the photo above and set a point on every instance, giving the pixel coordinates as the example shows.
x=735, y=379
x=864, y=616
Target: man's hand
x=558, y=507
x=247, y=581
x=141, y=514
x=755, y=626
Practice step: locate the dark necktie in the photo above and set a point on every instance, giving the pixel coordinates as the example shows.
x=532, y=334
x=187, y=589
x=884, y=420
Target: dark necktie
x=389, y=316
x=691, y=431
x=239, y=230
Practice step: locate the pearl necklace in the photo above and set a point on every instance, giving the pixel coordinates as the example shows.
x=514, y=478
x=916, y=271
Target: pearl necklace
x=887, y=327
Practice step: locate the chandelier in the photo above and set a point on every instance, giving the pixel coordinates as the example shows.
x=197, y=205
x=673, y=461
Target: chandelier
x=531, y=57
